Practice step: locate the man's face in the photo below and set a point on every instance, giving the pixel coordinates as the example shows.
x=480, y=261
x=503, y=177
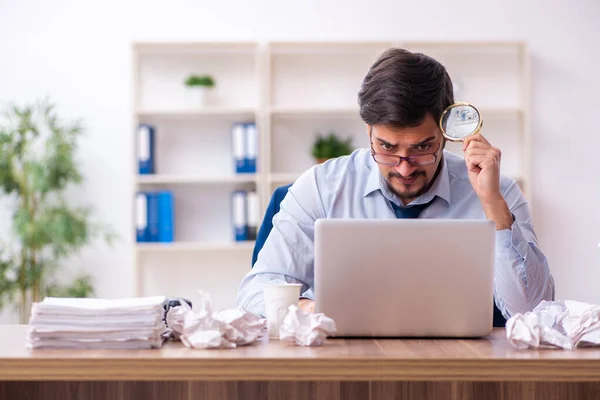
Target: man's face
x=405, y=180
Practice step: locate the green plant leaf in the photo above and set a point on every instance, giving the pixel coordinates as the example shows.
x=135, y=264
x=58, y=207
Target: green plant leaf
x=8, y=183
x=331, y=146
x=8, y=283
x=80, y=287
x=64, y=229
x=200, y=80
x=59, y=157
x=37, y=164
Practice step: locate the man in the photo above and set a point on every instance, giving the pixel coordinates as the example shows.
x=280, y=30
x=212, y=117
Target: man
x=406, y=171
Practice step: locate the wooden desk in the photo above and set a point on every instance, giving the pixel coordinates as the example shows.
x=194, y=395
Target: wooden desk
x=341, y=369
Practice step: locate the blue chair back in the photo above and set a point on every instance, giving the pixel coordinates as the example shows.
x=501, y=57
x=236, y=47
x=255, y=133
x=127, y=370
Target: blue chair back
x=267, y=225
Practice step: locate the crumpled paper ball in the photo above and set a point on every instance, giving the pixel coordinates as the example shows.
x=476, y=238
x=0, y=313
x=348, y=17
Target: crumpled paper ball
x=203, y=329
x=304, y=328
x=561, y=324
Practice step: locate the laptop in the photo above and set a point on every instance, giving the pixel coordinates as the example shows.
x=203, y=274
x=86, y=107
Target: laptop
x=405, y=277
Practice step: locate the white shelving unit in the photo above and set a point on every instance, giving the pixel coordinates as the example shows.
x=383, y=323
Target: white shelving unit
x=194, y=246
x=291, y=90
x=175, y=179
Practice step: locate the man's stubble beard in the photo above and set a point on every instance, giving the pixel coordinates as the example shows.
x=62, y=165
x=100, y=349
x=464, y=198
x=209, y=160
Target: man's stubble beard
x=413, y=195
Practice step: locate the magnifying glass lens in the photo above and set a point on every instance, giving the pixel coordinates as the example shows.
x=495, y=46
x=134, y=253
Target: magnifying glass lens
x=459, y=121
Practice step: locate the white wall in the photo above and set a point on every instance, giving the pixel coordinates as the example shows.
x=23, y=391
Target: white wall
x=79, y=53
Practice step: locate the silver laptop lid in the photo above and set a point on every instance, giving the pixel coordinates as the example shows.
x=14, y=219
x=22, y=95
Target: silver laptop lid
x=406, y=277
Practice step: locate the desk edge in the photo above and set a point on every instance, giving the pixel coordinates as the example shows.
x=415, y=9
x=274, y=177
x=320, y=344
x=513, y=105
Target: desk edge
x=334, y=369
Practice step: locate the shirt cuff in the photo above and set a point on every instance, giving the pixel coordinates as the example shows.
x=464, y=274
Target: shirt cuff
x=309, y=294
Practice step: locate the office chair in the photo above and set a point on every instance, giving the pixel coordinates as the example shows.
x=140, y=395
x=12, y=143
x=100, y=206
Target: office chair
x=267, y=225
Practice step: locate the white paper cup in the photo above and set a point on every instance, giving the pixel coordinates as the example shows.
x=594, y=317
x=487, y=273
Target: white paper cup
x=278, y=297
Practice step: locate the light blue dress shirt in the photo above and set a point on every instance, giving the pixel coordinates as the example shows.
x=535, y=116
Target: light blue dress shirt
x=352, y=187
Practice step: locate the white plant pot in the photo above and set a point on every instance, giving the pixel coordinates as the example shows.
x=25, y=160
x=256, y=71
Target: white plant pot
x=196, y=97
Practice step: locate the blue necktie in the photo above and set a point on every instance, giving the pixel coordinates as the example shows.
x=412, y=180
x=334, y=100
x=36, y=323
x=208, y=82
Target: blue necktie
x=411, y=211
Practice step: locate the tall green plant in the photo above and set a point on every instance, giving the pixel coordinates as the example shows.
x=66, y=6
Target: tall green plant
x=37, y=167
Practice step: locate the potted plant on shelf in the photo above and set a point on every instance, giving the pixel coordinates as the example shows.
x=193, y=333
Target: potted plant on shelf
x=197, y=88
x=330, y=146
x=37, y=171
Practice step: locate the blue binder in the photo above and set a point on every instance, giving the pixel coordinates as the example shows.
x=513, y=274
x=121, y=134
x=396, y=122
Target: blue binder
x=239, y=148
x=141, y=210
x=153, y=217
x=251, y=147
x=165, y=216
x=239, y=215
x=145, y=143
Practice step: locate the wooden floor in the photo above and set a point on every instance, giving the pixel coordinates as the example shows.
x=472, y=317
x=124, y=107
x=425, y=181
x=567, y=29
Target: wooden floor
x=82, y=390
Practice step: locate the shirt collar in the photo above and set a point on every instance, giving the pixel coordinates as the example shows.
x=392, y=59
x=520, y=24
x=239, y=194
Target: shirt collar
x=373, y=182
x=440, y=188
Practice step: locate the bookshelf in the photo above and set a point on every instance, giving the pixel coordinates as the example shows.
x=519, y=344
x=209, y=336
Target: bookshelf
x=174, y=179
x=214, y=111
x=195, y=246
x=291, y=90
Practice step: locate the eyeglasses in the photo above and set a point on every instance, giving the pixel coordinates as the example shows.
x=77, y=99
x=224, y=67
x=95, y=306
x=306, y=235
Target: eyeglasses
x=417, y=160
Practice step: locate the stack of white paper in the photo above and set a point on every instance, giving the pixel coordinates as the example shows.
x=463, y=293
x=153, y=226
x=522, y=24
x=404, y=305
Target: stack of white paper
x=77, y=323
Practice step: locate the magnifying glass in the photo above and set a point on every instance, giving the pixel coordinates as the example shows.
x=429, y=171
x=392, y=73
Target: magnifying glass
x=459, y=121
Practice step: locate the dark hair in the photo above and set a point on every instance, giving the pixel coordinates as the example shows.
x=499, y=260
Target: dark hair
x=402, y=87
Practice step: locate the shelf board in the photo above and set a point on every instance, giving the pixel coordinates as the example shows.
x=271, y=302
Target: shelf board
x=327, y=47
x=193, y=179
x=195, y=246
x=314, y=111
x=354, y=111
x=188, y=113
x=193, y=47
